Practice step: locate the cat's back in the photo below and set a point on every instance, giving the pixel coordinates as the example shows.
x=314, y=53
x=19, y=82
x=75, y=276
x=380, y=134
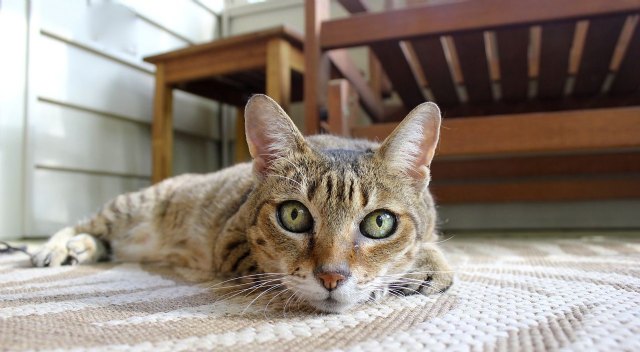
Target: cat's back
x=200, y=200
x=223, y=186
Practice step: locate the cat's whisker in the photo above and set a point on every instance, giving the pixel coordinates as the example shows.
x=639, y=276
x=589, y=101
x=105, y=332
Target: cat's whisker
x=406, y=280
x=452, y=236
x=396, y=293
x=252, y=284
x=284, y=308
x=245, y=277
x=405, y=288
x=405, y=283
x=299, y=299
x=260, y=295
x=263, y=285
x=231, y=295
x=252, y=289
x=420, y=272
x=266, y=307
x=372, y=298
x=244, y=284
x=382, y=290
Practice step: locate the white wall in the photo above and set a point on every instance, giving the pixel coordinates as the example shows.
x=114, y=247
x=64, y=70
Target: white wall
x=13, y=69
x=75, y=123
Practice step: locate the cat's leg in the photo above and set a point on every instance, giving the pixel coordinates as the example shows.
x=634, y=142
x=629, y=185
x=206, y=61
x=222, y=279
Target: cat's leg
x=86, y=249
x=54, y=252
x=90, y=240
x=67, y=247
x=430, y=274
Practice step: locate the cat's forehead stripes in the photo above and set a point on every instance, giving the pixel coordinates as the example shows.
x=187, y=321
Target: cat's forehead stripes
x=333, y=187
x=336, y=177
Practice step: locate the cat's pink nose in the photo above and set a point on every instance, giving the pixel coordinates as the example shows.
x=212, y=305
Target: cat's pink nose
x=331, y=280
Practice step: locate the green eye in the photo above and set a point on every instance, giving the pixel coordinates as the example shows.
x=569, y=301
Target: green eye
x=294, y=216
x=378, y=224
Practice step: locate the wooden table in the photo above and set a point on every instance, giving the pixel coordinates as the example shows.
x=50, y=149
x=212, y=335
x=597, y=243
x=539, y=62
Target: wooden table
x=228, y=70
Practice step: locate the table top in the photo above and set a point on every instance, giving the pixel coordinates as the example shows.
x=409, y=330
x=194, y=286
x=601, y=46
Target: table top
x=285, y=32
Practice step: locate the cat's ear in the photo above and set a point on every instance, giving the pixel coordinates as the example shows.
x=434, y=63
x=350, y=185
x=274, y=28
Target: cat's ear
x=412, y=145
x=270, y=132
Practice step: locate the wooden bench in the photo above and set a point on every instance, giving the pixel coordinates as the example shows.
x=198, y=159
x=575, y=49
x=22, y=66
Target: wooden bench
x=541, y=99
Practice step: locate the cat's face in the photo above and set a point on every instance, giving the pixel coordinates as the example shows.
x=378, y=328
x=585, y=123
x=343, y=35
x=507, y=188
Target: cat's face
x=337, y=212
x=338, y=219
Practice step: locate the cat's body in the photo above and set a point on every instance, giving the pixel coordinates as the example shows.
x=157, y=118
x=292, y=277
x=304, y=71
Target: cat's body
x=325, y=215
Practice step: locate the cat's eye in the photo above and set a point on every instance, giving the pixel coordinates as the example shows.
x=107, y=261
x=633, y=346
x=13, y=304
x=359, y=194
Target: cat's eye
x=295, y=217
x=378, y=224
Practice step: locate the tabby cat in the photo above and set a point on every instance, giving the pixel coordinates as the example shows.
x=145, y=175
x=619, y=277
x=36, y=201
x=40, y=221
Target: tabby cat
x=338, y=220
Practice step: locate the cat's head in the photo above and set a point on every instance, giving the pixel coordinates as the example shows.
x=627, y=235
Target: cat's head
x=337, y=217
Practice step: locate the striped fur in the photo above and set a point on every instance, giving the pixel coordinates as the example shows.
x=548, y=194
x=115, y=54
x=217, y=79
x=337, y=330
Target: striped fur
x=226, y=221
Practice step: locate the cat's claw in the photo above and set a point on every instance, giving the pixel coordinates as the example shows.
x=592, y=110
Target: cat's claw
x=437, y=282
x=49, y=256
x=377, y=295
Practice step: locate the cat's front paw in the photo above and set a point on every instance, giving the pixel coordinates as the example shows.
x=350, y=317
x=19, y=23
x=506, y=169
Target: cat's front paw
x=54, y=252
x=426, y=283
x=65, y=247
x=430, y=274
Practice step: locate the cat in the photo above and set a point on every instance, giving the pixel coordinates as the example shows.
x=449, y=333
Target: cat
x=338, y=221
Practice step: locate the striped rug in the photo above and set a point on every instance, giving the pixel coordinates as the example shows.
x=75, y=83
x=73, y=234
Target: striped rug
x=579, y=294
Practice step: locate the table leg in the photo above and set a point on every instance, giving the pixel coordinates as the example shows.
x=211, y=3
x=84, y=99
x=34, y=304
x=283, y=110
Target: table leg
x=316, y=71
x=241, y=153
x=162, y=129
x=279, y=72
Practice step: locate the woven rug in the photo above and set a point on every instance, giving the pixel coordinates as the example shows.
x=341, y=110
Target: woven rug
x=579, y=294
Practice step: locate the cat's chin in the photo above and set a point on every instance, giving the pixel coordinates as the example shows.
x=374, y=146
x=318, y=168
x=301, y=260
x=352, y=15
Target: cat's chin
x=330, y=305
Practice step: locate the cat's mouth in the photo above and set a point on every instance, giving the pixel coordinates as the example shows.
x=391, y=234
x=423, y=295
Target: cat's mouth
x=334, y=301
x=329, y=305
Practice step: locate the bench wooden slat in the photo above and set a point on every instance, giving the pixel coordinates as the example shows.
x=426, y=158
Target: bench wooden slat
x=513, y=47
x=538, y=166
x=627, y=78
x=434, y=64
x=541, y=190
x=393, y=62
x=596, y=55
x=565, y=104
x=460, y=16
x=532, y=133
x=395, y=65
x=371, y=103
x=474, y=65
x=554, y=59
